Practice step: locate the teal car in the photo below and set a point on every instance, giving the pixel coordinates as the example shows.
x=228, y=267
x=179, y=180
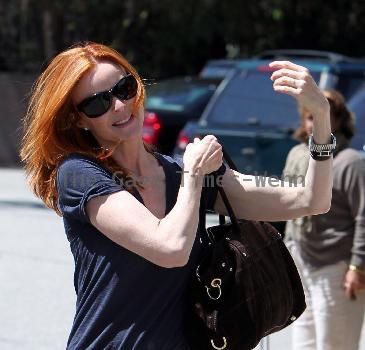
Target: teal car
x=254, y=123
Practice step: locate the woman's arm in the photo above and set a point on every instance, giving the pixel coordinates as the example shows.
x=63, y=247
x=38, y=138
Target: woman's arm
x=166, y=242
x=353, y=180
x=264, y=199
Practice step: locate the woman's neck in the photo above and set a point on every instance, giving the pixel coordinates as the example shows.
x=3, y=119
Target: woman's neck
x=134, y=157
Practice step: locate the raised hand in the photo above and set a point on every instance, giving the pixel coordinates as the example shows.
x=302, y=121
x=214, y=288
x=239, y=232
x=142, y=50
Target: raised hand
x=296, y=81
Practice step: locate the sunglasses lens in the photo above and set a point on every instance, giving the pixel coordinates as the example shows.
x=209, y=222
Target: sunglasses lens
x=97, y=105
x=126, y=88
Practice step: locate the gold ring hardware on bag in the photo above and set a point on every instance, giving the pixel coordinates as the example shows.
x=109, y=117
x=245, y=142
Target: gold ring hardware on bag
x=216, y=283
x=222, y=347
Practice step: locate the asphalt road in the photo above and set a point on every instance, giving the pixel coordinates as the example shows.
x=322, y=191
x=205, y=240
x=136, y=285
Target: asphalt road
x=37, y=297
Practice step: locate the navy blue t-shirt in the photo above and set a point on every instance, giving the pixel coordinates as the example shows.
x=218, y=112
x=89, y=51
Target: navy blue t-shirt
x=123, y=300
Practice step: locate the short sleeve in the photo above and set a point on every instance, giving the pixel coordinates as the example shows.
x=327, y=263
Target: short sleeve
x=211, y=183
x=78, y=180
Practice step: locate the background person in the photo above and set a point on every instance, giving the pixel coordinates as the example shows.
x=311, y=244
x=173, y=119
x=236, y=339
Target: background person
x=329, y=249
x=136, y=246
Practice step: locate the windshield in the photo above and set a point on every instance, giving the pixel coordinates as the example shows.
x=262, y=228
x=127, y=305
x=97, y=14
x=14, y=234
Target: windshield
x=178, y=95
x=249, y=99
x=349, y=84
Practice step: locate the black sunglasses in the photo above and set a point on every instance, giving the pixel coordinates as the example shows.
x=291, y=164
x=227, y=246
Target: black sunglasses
x=96, y=105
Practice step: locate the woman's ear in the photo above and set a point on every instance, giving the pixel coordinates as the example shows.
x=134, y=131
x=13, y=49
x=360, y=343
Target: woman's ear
x=80, y=122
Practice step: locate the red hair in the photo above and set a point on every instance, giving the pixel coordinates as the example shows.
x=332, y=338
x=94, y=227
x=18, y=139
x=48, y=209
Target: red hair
x=50, y=130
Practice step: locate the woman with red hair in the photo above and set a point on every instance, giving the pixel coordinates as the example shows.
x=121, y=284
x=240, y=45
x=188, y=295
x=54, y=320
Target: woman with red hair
x=130, y=214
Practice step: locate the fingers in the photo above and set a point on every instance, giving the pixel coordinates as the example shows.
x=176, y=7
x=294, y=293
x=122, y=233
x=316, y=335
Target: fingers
x=290, y=79
x=289, y=85
x=217, y=153
x=215, y=160
x=213, y=147
x=350, y=292
x=287, y=81
x=289, y=73
x=296, y=81
x=287, y=90
x=205, y=139
x=288, y=65
x=205, y=153
x=209, y=138
x=352, y=284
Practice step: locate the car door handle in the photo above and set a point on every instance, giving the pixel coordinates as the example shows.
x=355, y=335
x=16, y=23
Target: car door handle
x=248, y=151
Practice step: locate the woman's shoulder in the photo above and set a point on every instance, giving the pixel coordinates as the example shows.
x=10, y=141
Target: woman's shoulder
x=297, y=152
x=81, y=166
x=300, y=148
x=80, y=163
x=350, y=158
x=75, y=159
x=353, y=154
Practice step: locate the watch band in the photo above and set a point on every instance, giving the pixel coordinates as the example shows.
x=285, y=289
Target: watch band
x=321, y=151
x=357, y=269
x=315, y=156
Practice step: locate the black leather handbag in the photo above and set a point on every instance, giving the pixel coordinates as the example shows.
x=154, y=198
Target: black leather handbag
x=246, y=285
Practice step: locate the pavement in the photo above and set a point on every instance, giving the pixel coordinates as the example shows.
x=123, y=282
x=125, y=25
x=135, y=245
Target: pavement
x=37, y=298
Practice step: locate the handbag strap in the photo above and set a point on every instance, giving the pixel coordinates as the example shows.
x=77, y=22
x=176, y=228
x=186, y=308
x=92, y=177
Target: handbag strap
x=233, y=166
x=228, y=206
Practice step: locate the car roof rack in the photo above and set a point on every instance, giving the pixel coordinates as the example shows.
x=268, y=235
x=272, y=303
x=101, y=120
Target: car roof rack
x=325, y=56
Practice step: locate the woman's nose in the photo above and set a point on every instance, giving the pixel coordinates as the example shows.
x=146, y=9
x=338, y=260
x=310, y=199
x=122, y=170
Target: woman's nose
x=118, y=104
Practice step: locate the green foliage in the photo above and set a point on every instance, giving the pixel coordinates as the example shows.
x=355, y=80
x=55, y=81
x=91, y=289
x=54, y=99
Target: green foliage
x=175, y=37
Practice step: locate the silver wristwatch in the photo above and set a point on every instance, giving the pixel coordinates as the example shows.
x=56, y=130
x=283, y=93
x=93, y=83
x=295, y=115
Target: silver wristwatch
x=321, y=151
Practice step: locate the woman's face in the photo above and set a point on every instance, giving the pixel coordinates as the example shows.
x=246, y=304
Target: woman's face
x=116, y=124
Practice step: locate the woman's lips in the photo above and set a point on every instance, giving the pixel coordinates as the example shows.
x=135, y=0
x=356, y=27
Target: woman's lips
x=121, y=124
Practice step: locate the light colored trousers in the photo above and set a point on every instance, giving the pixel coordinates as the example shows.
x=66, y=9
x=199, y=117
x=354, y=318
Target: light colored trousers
x=331, y=321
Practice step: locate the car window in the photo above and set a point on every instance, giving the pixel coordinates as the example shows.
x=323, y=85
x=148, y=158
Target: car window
x=177, y=95
x=249, y=98
x=348, y=84
x=215, y=71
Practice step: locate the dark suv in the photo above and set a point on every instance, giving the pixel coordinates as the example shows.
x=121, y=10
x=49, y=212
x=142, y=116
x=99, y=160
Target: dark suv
x=254, y=123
